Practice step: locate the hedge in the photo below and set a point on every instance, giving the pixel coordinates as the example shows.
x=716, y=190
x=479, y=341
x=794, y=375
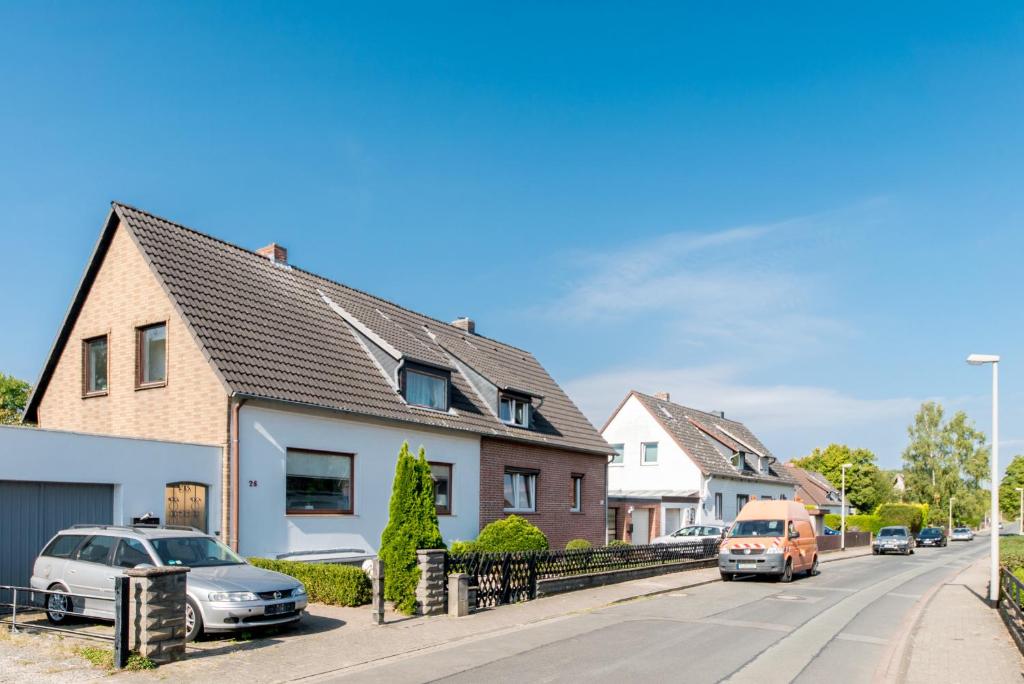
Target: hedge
x=513, y=533
x=578, y=545
x=864, y=523
x=908, y=515
x=330, y=583
x=618, y=542
x=459, y=547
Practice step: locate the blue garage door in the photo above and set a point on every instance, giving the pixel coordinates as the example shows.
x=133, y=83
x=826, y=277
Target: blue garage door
x=32, y=512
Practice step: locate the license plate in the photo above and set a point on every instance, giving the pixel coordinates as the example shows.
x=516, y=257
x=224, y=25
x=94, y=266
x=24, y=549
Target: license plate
x=746, y=566
x=278, y=608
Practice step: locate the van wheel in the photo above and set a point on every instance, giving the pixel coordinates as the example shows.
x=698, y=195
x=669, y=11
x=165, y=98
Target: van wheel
x=727, y=577
x=60, y=607
x=787, y=574
x=193, y=620
x=814, y=571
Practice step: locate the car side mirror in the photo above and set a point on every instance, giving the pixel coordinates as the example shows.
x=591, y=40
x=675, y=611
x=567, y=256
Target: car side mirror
x=794, y=535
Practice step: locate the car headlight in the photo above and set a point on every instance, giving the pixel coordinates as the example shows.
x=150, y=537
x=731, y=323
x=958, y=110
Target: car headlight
x=233, y=596
x=299, y=591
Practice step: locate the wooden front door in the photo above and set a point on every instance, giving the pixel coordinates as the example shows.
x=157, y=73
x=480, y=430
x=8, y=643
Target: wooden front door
x=185, y=504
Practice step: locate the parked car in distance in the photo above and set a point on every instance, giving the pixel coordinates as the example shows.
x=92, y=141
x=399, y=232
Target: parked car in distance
x=931, y=536
x=224, y=593
x=692, y=532
x=962, y=534
x=771, y=538
x=828, y=531
x=896, y=539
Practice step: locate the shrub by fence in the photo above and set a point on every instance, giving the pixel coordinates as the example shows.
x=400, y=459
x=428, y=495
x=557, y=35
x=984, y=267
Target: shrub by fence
x=909, y=515
x=864, y=523
x=336, y=585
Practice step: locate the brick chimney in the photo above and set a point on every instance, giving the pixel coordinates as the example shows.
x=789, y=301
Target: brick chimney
x=274, y=252
x=465, y=323
x=664, y=396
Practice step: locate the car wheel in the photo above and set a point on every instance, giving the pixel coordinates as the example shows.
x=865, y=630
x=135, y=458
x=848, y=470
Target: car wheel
x=815, y=570
x=60, y=607
x=787, y=573
x=193, y=620
x=874, y=552
x=727, y=577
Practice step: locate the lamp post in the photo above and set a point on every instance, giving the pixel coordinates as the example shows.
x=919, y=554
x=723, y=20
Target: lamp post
x=993, y=580
x=1020, y=520
x=951, y=499
x=842, y=509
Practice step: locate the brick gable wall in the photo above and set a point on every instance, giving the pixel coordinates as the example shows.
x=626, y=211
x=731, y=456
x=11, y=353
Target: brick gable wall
x=554, y=489
x=192, y=407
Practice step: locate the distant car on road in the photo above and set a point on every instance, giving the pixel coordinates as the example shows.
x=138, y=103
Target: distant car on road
x=931, y=536
x=896, y=539
x=692, y=533
x=962, y=534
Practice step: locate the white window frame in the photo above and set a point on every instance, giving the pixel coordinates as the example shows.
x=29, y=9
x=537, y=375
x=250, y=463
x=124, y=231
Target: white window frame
x=427, y=374
x=517, y=508
x=738, y=460
x=621, y=452
x=577, y=494
x=643, y=454
x=719, y=506
x=512, y=403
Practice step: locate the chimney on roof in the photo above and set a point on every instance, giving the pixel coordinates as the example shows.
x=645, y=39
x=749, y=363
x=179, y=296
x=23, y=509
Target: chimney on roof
x=664, y=396
x=720, y=414
x=275, y=252
x=465, y=323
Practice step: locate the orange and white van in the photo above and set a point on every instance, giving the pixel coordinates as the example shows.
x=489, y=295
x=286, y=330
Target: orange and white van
x=770, y=538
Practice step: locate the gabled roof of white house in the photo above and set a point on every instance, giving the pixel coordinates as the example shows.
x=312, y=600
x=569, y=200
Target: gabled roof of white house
x=692, y=429
x=274, y=331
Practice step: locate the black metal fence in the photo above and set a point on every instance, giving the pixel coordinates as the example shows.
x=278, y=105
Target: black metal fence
x=1011, y=593
x=500, y=578
x=29, y=605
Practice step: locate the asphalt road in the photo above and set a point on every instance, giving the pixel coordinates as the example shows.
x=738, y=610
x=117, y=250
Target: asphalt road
x=839, y=626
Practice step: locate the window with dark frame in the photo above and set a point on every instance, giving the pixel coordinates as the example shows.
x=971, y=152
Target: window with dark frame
x=428, y=390
x=577, y=493
x=520, y=488
x=718, y=506
x=151, y=355
x=94, y=366
x=741, y=501
x=442, y=476
x=318, y=482
x=611, y=523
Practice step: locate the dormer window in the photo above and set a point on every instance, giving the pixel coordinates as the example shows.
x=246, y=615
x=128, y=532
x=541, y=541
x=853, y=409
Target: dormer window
x=514, y=411
x=738, y=460
x=763, y=463
x=423, y=388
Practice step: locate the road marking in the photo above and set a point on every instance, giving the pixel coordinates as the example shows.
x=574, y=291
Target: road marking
x=861, y=638
x=771, y=626
x=906, y=596
x=787, y=658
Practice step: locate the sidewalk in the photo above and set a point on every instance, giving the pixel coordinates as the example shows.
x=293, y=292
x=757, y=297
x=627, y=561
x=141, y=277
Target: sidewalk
x=958, y=638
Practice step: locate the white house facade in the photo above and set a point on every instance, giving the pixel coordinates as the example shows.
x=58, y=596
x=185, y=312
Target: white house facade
x=677, y=466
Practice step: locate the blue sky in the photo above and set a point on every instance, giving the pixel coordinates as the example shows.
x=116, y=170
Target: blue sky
x=805, y=217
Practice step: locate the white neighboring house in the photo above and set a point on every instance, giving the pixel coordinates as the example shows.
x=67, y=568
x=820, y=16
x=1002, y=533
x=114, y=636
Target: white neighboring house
x=676, y=466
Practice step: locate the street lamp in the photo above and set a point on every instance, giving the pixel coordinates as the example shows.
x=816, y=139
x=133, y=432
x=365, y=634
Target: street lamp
x=842, y=509
x=951, y=499
x=993, y=580
x=1020, y=520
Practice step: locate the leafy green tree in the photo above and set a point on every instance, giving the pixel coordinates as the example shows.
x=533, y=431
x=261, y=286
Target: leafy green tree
x=13, y=397
x=865, y=489
x=1009, y=497
x=412, y=525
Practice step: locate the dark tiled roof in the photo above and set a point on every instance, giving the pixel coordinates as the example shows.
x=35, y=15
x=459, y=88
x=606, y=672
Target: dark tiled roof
x=812, y=487
x=269, y=331
x=692, y=429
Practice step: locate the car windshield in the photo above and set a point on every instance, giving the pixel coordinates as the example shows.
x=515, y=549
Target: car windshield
x=892, y=532
x=931, y=532
x=686, y=532
x=961, y=529
x=758, y=528
x=195, y=552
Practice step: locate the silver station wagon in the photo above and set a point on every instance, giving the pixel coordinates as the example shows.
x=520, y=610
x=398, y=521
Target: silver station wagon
x=224, y=592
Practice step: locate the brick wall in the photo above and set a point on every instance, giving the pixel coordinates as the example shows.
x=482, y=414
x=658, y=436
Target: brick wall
x=554, y=489
x=192, y=407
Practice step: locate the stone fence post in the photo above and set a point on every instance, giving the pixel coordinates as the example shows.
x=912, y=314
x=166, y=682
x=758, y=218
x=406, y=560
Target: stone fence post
x=458, y=594
x=430, y=590
x=157, y=612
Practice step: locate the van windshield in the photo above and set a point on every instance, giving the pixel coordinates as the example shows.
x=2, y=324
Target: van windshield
x=758, y=528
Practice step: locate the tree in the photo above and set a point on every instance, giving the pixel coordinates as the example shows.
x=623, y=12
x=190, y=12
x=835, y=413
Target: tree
x=412, y=525
x=1009, y=497
x=13, y=397
x=865, y=489
x=946, y=459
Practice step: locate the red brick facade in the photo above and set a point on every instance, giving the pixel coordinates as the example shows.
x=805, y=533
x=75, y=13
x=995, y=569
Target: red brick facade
x=555, y=469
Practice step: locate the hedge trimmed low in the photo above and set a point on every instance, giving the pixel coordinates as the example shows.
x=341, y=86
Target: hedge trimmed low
x=864, y=523
x=578, y=545
x=330, y=583
x=908, y=515
x=513, y=533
